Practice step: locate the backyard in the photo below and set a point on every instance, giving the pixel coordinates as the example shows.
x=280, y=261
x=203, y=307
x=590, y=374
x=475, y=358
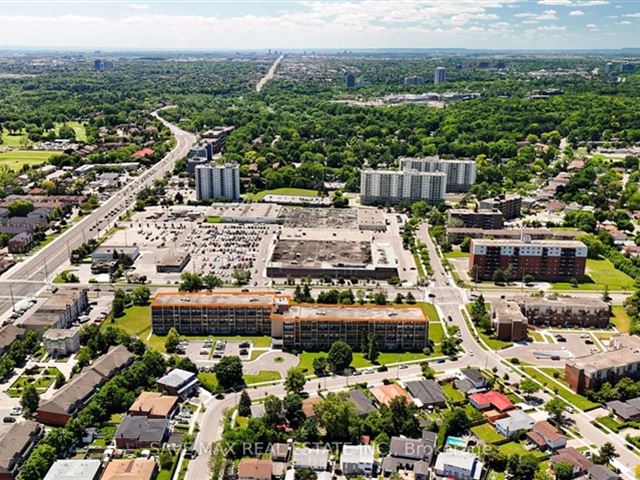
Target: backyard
x=487, y=433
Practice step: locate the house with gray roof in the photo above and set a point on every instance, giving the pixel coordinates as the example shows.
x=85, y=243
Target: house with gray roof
x=361, y=402
x=404, y=453
x=427, y=393
x=17, y=441
x=178, y=382
x=600, y=472
x=459, y=465
x=315, y=458
x=141, y=432
x=625, y=411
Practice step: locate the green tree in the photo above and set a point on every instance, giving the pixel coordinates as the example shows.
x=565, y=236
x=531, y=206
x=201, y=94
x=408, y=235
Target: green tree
x=38, y=463
x=59, y=381
x=529, y=387
x=556, y=408
x=211, y=282
x=320, y=366
x=563, y=471
x=494, y=458
x=522, y=467
x=172, y=340
x=165, y=460
x=141, y=295
x=272, y=410
x=229, y=372
x=449, y=346
x=244, y=405
x=456, y=421
x=305, y=473
x=427, y=371
x=372, y=350
x=606, y=453
x=295, y=380
x=20, y=208
x=292, y=406
x=340, y=356
x=383, y=442
x=337, y=415
x=241, y=277
x=190, y=282
x=30, y=399
x=119, y=303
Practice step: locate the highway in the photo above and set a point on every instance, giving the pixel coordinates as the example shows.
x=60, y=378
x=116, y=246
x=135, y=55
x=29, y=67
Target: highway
x=31, y=275
x=269, y=74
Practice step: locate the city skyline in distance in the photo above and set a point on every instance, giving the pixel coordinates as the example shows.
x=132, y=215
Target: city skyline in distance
x=252, y=25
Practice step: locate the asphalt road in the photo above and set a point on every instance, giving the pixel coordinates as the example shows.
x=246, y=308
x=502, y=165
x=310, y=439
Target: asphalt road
x=29, y=276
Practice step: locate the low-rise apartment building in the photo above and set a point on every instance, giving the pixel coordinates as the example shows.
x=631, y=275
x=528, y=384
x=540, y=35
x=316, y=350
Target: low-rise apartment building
x=622, y=359
x=565, y=311
x=509, y=205
x=547, y=260
x=508, y=321
x=16, y=444
x=456, y=235
x=483, y=219
x=61, y=341
x=58, y=311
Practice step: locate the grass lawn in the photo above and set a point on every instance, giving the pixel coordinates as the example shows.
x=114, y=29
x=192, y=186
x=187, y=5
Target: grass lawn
x=510, y=448
x=262, y=376
x=19, y=140
x=214, y=219
x=609, y=422
x=487, y=433
x=429, y=310
x=537, y=336
x=452, y=393
x=16, y=159
x=135, y=321
x=78, y=127
x=436, y=332
x=285, y=191
x=570, y=397
x=456, y=254
x=602, y=272
x=59, y=279
x=397, y=357
x=620, y=319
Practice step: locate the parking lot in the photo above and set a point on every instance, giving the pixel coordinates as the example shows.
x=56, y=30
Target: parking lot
x=555, y=354
x=208, y=352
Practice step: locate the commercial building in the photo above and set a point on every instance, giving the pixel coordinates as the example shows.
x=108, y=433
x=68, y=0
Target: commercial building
x=381, y=187
x=141, y=432
x=549, y=260
x=350, y=80
x=86, y=469
x=291, y=326
x=154, y=405
x=508, y=321
x=414, y=80
x=333, y=253
x=58, y=311
x=509, y=205
x=218, y=182
x=318, y=326
x=622, y=359
x=357, y=460
x=113, y=252
x=61, y=342
x=461, y=174
x=440, y=75
x=131, y=469
x=173, y=263
x=484, y=219
x=76, y=393
x=458, y=465
x=565, y=311
x=178, y=382
x=17, y=441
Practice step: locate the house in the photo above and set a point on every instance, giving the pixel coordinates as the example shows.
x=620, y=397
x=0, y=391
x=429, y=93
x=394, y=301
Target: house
x=600, y=472
x=131, y=469
x=516, y=421
x=314, y=458
x=60, y=342
x=16, y=443
x=307, y=406
x=254, y=469
x=9, y=334
x=279, y=470
x=384, y=394
x=458, y=465
x=76, y=393
x=427, y=393
x=20, y=243
x=141, y=432
x=544, y=435
x=492, y=399
x=154, y=405
x=357, y=460
x=471, y=381
x=580, y=463
x=280, y=452
x=178, y=382
x=421, y=470
x=85, y=469
x=404, y=453
x=361, y=402
x=625, y=411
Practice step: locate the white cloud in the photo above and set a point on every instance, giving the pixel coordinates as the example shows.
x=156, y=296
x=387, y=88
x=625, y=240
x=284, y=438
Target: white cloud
x=576, y=13
x=632, y=15
x=561, y=3
x=552, y=28
x=576, y=3
x=139, y=6
x=546, y=15
x=624, y=22
x=592, y=26
x=592, y=3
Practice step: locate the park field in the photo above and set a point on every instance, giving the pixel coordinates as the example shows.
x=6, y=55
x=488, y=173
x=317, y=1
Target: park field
x=284, y=191
x=602, y=273
x=17, y=158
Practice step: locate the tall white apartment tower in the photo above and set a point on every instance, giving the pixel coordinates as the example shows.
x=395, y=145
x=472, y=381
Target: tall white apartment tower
x=218, y=181
x=461, y=174
x=388, y=186
x=440, y=75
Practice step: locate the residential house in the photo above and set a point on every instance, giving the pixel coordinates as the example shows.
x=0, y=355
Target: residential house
x=427, y=393
x=357, y=460
x=85, y=469
x=307, y=406
x=361, y=402
x=254, y=469
x=458, y=465
x=492, y=399
x=16, y=443
x=384, y=394
x=404, y=453
x=280, y=452
x=178, y=382
x=544, y=435
x=600, y=472
x=314, y=458
x=131, y=469
x=471, y=381
x=580, y=463
x=9, y=334
x=154, y=405
x=20, y=243
x=625, y=411
x=514, y=423
x=142, y=432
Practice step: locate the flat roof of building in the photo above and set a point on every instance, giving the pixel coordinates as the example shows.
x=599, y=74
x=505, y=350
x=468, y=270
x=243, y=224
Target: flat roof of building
x=311, y=217
x=464, y=211
x=370, y=216
x=74, y=469
x=507, y=242
x=563, y=302
x=362, y=313
x=507, y=311
x=60, y=333
x=245, y=210
x=213, y=299
x=623, y=350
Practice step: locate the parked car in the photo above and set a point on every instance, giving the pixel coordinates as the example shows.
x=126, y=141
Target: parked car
x=9, y=420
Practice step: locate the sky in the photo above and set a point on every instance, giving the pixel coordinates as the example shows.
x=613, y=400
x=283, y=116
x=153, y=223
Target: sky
x=306, y=24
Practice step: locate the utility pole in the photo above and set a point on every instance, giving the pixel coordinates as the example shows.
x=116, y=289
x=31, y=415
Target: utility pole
x=13, y=303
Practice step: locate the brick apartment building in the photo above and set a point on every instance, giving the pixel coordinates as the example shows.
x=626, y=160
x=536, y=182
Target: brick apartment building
x=508, y=321
x=621, y=360
x=290, y=325
x=509, y=205
x=483, y=219
x=565, y=311
x=548, y=260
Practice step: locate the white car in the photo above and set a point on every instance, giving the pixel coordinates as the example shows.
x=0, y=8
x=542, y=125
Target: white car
x=15, y=411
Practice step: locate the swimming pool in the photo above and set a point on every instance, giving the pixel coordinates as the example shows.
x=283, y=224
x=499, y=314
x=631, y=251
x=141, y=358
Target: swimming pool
x=456, y=442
